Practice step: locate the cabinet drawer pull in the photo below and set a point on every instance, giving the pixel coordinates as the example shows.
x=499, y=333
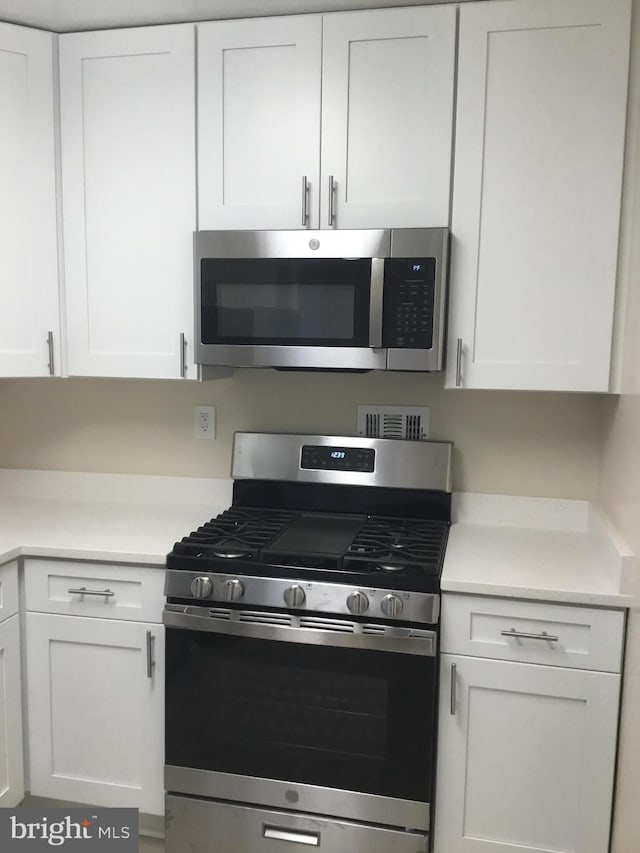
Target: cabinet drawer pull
x=150, y=661
x=305, y=196
x=84, y=591
x=312, y=839
x=523, y=635
x=183, y=356
x=332, y=192
x=452, y=708
x=459, y=363
x=51, y=364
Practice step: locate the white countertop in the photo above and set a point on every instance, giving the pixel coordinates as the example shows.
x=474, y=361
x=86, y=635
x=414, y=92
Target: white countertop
x=545, y=549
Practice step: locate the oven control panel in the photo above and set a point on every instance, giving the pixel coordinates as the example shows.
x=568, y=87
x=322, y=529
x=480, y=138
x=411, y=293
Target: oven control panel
x=327, y=458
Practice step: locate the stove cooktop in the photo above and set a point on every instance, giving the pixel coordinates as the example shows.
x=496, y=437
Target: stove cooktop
x=383, y=551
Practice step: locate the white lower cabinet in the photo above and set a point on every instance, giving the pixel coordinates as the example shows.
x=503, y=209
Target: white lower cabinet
x=11, y=755
x=96, y=710
x=526, y=751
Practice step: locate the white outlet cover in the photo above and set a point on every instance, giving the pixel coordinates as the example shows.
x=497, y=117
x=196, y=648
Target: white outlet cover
x=204, y=422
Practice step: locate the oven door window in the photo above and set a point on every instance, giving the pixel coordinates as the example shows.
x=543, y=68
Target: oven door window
x=285, y=302
x=335, y=717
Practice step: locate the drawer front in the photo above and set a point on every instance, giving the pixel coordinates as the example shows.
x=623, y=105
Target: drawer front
x=94, y=589
x=8, y=590
x=201, y=825
x=533, y=632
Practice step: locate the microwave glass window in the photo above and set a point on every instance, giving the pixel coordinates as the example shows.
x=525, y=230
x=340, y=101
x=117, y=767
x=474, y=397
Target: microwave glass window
x=285, y=311
x=290, y=302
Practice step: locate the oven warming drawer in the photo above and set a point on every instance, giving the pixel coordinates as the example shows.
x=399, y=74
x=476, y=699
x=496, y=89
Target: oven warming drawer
x=192, y=824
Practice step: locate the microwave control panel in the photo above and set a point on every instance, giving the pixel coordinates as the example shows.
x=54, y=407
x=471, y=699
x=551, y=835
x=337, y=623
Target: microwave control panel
x=409, y=285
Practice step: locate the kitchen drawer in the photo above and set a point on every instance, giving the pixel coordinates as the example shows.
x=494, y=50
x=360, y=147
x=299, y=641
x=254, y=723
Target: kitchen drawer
x=201, y=825
x=8, y=590
x=137, y=591
x=579, y=637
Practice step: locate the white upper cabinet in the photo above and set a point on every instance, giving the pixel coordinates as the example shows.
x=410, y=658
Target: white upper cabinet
x=129, y=202
x=259, y=122
x=29, y=315
x=542, y=89
x=374, y=151
x=387, y=113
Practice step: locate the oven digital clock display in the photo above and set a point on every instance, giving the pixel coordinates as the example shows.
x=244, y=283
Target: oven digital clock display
x=325, y=458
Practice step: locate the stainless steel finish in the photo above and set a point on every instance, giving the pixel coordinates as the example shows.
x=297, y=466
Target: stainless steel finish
x=332, y=192
x=103, y=593
x=312, y=839
x=357, y=603
x=321, y=598
x=524, y=635
x=294, y=596
x=183, y=355
x=374, y=244
x=459, y=363
x=376, y=301
x=201, y=587
x=305, y=196
x=289, y=628
x=391, y=606
x=433, y=243
x=51, y=364
x=233, y=589
x=150, y=660
x=398, y=463
x=452, y=697
x=368, y=808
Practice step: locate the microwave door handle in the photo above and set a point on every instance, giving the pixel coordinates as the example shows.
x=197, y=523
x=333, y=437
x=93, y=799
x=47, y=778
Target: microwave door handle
x=376, y=293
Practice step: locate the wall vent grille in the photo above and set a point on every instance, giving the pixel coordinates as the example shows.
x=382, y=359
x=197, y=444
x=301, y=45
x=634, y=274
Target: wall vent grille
x=408, y=422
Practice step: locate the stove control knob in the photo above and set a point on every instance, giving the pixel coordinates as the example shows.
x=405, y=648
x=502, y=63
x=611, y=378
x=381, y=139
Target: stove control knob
x=202, y=587
x=233, y=590
x=294, y=596
x=358, y=603
x=391, y=606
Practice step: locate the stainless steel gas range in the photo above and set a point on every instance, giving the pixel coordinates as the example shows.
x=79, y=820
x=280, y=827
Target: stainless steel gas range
x=301, y=643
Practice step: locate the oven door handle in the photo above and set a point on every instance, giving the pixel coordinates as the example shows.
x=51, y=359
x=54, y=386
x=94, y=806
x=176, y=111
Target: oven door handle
x=309, y=631
x=312, y=839
x=376, y=302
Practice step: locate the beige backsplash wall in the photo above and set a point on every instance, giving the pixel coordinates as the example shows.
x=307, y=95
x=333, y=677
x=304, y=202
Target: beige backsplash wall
x=506, y=442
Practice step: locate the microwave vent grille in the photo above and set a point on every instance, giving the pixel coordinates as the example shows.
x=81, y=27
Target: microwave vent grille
x=406, y=422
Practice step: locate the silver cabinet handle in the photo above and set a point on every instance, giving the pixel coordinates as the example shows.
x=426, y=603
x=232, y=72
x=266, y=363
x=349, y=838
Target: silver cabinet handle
x=106, y=593
x=305, y=197
x=311, y=839
x=459, y=364
x=332, y=192
x=150, y=661
x=376, y=298
x=51, y=365
x=452, y=698
x=524, y=635
x=183, y=356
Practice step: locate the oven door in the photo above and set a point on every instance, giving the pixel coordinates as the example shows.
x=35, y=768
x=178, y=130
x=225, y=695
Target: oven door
x=313, y=718
x=288, y=306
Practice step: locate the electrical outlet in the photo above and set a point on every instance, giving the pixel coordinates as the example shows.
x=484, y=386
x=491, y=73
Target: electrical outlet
x=204, y=423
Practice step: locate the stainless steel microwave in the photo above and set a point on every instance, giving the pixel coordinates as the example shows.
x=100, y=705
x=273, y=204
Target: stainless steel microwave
x=328, y=300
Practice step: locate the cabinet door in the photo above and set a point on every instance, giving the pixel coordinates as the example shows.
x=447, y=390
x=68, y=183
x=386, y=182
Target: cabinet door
x=128, y=174
x=259, y=122
x=11, y=755
x=542, y=90
x=526, y=763
x=29, y=308
x=387, y=113
x=96, y=712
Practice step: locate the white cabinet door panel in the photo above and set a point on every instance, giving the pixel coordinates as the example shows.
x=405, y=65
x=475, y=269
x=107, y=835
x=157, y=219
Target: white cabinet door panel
x=526, y=763
x=11, y=753
x=28, y=237
x=541, y=108
x=258, y=122
x=128, y=166
x=387, y=113
x=96, y=719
